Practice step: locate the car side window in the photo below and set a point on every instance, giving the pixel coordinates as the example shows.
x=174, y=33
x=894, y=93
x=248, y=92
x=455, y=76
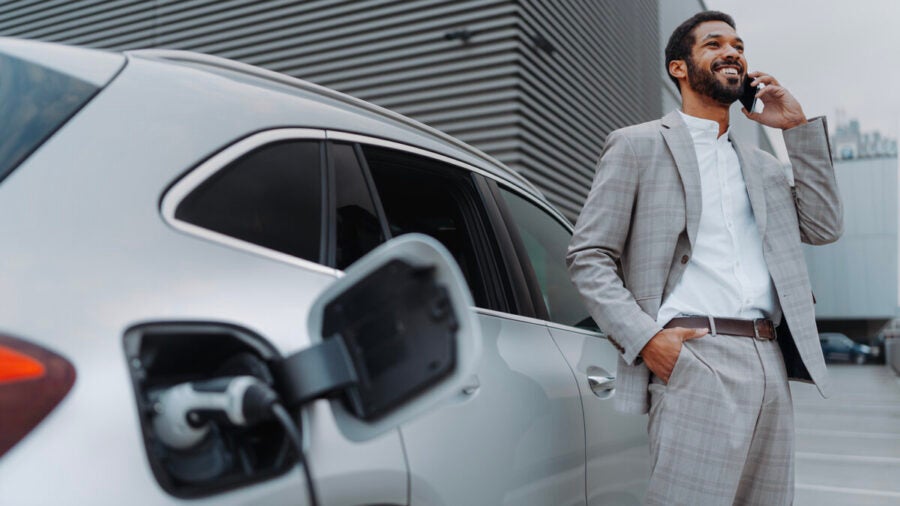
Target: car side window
x=271, y=197
x=423, y=195
x=545, y=241
x=357, y=227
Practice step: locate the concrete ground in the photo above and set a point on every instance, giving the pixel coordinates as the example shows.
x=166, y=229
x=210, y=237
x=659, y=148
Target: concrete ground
x=848, y=446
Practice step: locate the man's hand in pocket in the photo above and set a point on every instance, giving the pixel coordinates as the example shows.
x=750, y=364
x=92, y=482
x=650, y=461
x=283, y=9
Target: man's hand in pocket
x=661, y=352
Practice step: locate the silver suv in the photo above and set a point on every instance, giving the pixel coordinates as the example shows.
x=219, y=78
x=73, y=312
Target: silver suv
x=171, y=222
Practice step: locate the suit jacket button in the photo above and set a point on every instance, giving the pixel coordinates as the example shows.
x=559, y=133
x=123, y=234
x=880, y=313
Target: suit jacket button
x=684, y=259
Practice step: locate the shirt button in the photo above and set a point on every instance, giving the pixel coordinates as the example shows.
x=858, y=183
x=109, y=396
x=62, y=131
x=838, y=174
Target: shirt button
x=684, y=259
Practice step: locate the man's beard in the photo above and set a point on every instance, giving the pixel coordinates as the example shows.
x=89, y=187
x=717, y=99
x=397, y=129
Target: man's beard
x=705, y=83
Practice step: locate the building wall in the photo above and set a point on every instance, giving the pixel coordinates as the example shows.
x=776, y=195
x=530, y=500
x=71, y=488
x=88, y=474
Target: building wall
x=601, y=76
x=536, y=83
x=671, y=14
x=856, y=277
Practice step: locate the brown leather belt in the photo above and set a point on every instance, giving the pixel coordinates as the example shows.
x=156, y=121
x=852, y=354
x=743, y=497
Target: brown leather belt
x=761, y=329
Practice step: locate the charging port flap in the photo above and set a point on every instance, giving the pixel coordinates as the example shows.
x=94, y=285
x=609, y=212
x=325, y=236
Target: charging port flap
x=392, y=338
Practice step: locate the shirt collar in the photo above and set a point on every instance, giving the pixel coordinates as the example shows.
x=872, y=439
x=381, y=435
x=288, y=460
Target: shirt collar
x=703, y=129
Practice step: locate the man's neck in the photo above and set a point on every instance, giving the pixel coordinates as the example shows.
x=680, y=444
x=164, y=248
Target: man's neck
x=706, y=108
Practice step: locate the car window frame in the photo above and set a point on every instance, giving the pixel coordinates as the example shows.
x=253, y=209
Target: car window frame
x=331, y=234
x=500, y=286
x=518, y=246
x=223, y=158
x=521, y=303
x=531, y=280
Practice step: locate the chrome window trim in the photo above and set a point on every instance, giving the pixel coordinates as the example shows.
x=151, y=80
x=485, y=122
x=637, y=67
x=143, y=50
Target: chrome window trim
x=510, y=316
x=538, y=321
x=217, y=162
x=577, y=330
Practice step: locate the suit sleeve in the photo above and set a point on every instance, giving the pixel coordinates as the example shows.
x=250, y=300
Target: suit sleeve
x=597, y=245
x=816, y=196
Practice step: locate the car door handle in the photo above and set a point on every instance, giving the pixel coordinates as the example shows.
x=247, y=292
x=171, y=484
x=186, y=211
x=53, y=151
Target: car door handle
x=601, y=382
x=472, y=386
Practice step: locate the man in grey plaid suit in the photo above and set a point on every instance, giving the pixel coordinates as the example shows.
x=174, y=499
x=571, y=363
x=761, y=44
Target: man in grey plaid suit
x=688, y=255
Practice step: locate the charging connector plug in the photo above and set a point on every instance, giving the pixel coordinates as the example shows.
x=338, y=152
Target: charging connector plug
x=183, y=412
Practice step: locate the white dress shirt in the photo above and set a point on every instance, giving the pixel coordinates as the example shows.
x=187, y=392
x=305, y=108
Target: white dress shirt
x=727, y=275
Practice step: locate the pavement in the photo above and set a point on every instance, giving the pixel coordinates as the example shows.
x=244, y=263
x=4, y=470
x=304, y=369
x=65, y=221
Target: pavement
x=848, y=446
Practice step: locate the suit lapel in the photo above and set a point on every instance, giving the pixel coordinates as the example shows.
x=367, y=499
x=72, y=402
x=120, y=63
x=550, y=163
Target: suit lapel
x=753, y=181
x=681, y=145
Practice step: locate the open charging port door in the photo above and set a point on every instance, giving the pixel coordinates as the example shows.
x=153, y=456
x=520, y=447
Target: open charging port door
x=392, y=338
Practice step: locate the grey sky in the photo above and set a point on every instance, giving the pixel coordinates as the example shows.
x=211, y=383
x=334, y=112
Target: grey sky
x=830, y=54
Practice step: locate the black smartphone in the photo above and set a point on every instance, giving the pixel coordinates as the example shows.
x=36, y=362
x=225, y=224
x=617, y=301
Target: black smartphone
x=748, y=98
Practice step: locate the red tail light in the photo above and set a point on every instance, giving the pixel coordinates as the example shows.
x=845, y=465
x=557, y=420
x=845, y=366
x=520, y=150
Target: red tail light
x=33, y=381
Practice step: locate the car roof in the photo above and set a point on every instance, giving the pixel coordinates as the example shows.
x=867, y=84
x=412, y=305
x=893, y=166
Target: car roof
x=452, y=147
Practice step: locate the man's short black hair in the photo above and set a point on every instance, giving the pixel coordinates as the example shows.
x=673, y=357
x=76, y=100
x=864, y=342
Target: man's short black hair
x=682, y=39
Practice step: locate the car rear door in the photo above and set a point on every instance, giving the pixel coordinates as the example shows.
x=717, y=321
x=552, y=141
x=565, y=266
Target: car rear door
x=515, y=433
x=617, y=457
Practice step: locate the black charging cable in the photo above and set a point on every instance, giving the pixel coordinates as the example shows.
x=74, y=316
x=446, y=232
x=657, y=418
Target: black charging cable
x=264, y=402
x=296, y=437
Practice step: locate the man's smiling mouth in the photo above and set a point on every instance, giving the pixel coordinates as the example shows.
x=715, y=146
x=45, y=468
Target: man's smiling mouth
x=728, y=70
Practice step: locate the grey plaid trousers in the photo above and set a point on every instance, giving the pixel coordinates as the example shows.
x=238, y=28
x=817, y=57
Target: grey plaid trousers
x=722, y=430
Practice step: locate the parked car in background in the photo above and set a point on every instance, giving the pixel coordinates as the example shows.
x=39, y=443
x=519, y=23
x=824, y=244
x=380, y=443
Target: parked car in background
x=839, y=347
x=877, y=343
x=171, y=222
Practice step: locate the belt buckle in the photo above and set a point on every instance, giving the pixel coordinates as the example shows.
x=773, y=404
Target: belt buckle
x=756, y=331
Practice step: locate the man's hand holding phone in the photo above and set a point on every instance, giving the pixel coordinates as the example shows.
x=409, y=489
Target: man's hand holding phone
x=781, y=109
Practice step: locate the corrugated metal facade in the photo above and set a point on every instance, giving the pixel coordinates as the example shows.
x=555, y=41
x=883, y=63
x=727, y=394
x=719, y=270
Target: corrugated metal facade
x=536, y=83
x=601, y=75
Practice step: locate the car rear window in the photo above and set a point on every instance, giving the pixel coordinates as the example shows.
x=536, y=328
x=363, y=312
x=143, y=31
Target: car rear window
x=270, y=197
x=34, y=102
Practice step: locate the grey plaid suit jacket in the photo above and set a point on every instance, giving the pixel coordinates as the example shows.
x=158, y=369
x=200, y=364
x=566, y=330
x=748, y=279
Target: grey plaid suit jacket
x=633, y=238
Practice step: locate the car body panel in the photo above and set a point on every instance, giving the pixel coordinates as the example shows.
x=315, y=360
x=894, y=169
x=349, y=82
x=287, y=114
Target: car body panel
x=517, y=439
x=617, y=460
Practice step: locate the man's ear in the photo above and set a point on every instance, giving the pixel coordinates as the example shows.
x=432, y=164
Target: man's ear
x=678, y=69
